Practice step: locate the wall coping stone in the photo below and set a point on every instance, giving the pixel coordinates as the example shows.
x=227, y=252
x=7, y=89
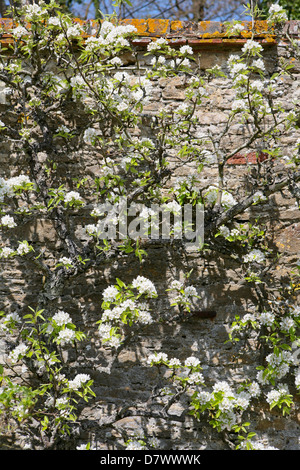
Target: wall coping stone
x=178, y=33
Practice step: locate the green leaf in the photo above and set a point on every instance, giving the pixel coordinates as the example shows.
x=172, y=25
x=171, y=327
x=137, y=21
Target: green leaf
x=120, y=283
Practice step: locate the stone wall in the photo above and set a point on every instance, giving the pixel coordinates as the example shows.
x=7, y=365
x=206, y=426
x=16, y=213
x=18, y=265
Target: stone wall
x=124, y=380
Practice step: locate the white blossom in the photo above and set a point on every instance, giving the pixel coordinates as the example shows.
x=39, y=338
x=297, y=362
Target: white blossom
x=62, y=318
x=259, y=64
x=104, y=330
x=287, y=323
x=13, y=317
x=8, y=221
x=259, y=197
x=110, y=293
x=277, y=14
x=23, y=248
x=135, y=445
x=273, y=396
x=237, y=68
x=156, y=45
x=258, y=446
x=73, y=31
x=224, y=231
x=114, y=342
x=19, y=31
x=63, y=129
x=65, y=261
x=116, y=61
x=145, y=317
x=72, y=196
x=254, y=389
x=191, y=362
x=20, y=350
x=235, y=232
x=236, y=28
x=78, y=381
x=211, y=196
x=31, y=11
x=239, y=105
x=17, y=181
x=257, y=85
x=254, y=255
x=203, y=397
x=174, y=362
x=156, y=358
x=252, y=46
x=89, y=136
x=266, y=318
x=172, y=206
x=5, y=189
x=91, y=229
x=261, y=378
x=195, y=378
x=190, y=291
x=66, y=336
x=54, y=21
x=144, y=286
x=186, y=50
x=122, y=77
x=224, y=387
x=176, y=285
x=6, y=252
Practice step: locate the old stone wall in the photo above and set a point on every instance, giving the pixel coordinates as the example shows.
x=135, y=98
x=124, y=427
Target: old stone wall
x=124, y=380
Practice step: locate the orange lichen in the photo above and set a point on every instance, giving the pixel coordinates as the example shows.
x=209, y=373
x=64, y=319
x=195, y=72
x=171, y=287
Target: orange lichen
x=140, y=25
x=158, y=27
x=176, y=26
x=204, y=25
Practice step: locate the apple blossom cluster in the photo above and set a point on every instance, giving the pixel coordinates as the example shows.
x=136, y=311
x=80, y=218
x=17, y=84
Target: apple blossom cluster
x=18, y=352
x=79, y=381
x=66, y=262
x=184, y=294
x=225, y=405
x=276, y=395
x=255, y=255
x=277, y=14
x=279, y=362
x=61, y=325
x=58, y=392
x=10, y=320
x=144, y=286
x=166, y=60
x=234, y=28
x=8, y=187
x=211, y=196
x=110, y=37
x=259, y=197
x=157, y=45
x=247, y=72
x=34, y=12
x=125, y=305
x=90, y=136
x=7, y=221
x=22, y=249
x=138, y=441
x=73, y=199
x=252, y=47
